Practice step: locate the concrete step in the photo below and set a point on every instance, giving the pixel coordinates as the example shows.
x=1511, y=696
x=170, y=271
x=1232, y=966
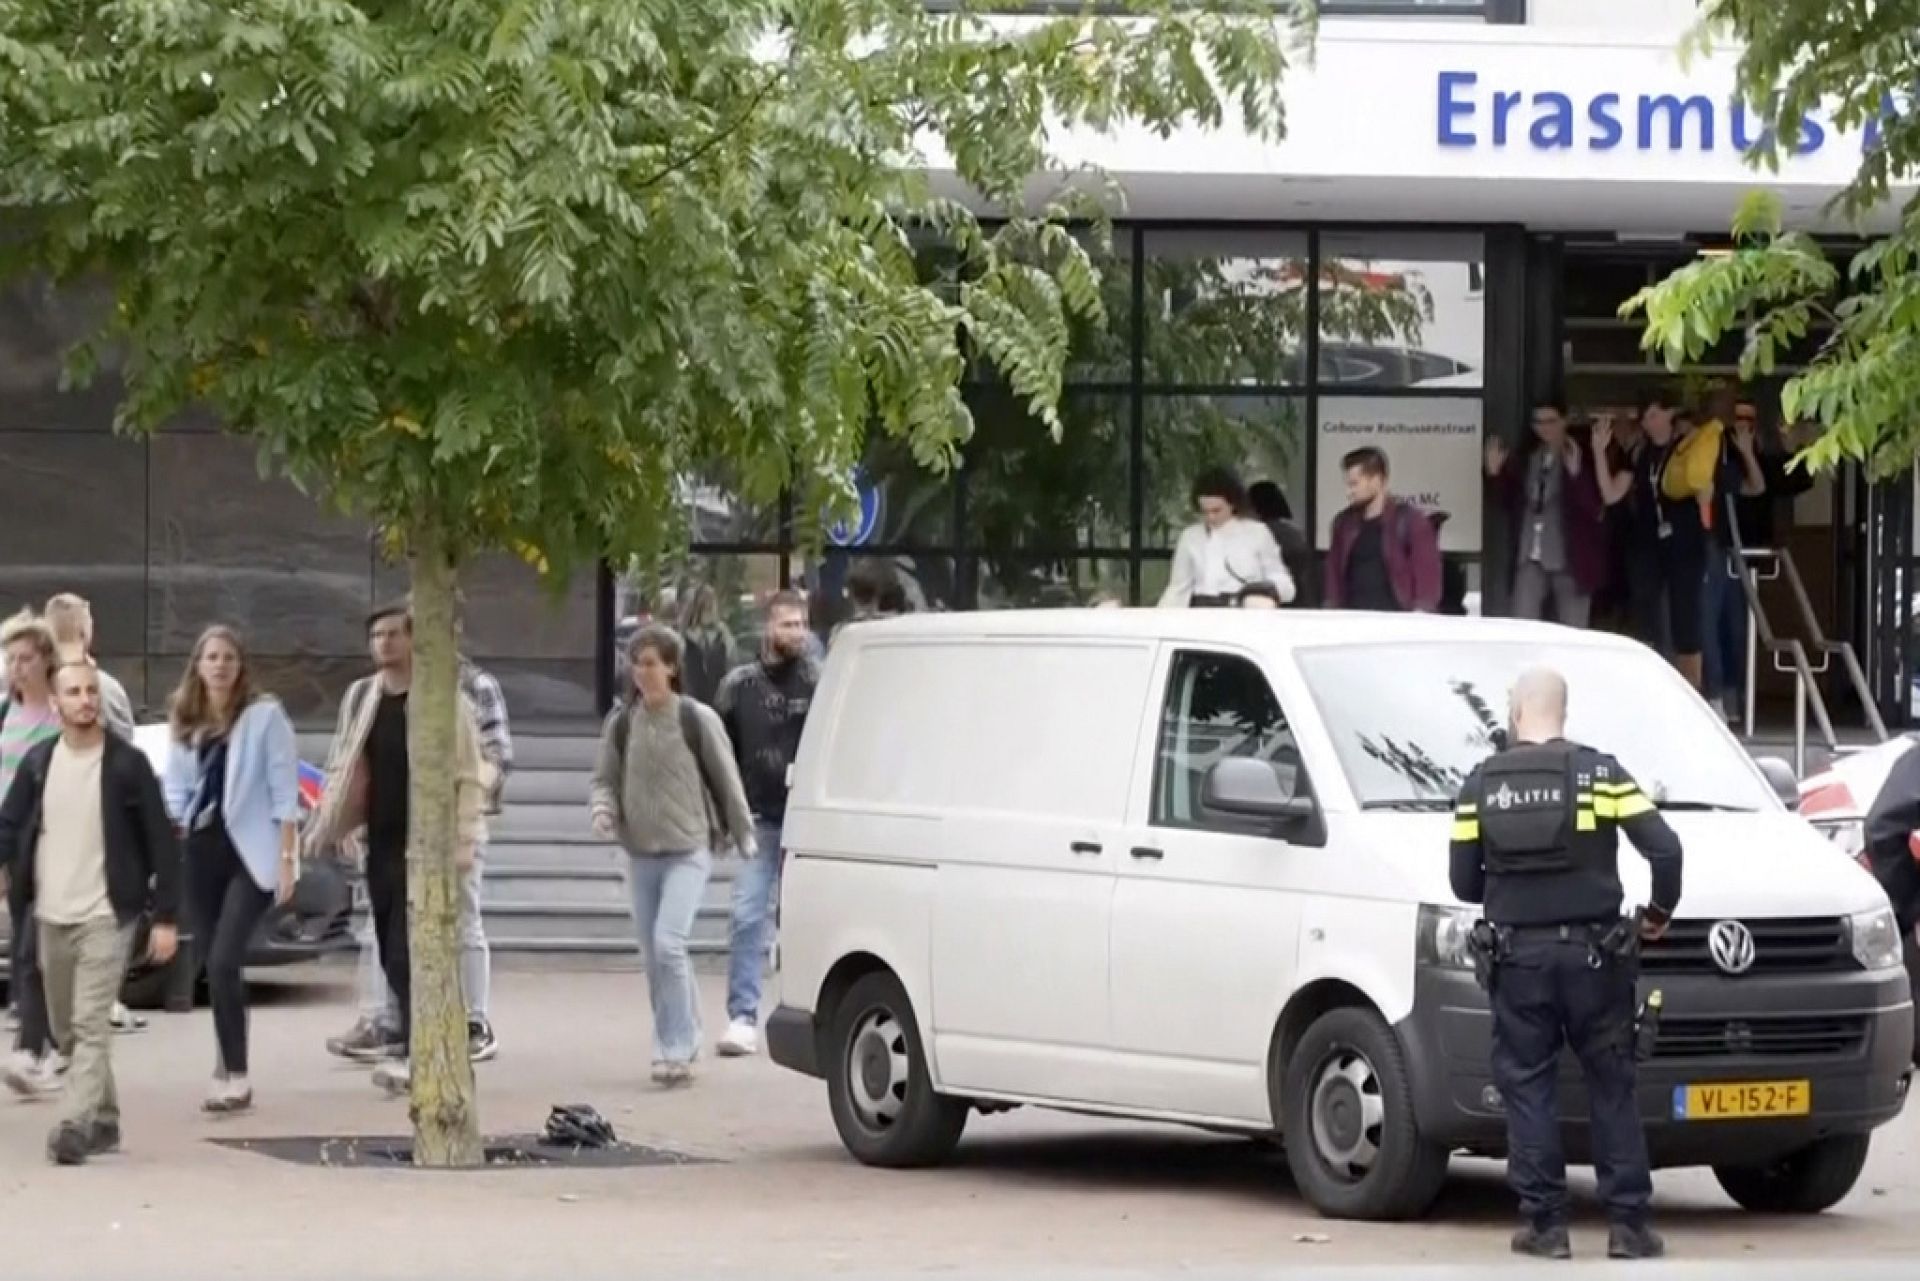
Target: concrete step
x=544, y=823
x=549, y=787
x=531, y=752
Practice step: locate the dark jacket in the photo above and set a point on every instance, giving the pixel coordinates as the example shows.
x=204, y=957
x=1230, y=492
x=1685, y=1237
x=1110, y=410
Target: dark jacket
x=1583, y=516
x=1296, y=553
x=1411, y=548
x=1892, y=821
x=764, y=707
x=143, y=854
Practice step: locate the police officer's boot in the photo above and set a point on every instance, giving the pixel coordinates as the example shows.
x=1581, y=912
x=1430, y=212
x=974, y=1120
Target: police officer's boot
x=1634, y=1241
x=1543, y=1241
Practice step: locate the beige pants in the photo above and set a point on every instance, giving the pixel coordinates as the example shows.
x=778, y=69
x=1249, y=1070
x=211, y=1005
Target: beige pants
x=82, y=966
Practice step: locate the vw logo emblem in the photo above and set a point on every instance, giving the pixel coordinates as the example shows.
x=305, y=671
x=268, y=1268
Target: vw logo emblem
x=1731, y=945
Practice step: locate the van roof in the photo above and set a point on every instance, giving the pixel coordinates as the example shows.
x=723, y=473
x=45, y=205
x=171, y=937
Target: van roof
x=1295, y=628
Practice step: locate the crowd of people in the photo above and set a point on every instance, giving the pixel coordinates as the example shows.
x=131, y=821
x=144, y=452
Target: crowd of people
x=1633, y=522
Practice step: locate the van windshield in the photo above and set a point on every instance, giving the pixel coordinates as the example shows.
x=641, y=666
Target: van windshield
x=1411, y=720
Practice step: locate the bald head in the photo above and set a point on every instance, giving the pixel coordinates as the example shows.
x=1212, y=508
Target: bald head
x=1538, y=706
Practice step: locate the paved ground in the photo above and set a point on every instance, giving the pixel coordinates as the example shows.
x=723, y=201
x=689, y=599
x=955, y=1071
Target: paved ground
x=1032, y=1195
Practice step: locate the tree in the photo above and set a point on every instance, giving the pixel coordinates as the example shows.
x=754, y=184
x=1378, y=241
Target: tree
x=1847, y=67
x=498, y=273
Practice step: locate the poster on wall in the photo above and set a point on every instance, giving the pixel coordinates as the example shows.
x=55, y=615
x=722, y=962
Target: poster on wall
x=1433, y=454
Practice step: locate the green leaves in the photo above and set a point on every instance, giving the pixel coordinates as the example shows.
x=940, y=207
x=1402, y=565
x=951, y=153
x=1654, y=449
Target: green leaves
x=505, y=269
x=1852, y=65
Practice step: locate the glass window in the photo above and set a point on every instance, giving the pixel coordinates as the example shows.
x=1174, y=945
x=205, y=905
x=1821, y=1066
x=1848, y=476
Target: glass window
x=926, y=582
x=717, y=514
x=1218, y=706
x=901, y=503
x=1028, y=491
x=1435, y=459
x=1410, y=721
x=1402, y=309
x=1021, y=582
x=1260, y=437
x=1225, y=308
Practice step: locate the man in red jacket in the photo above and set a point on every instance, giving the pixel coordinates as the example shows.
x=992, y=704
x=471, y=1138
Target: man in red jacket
x=1384, y=554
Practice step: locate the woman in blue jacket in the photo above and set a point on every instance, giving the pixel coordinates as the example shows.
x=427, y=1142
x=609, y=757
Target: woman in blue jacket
x=233, y=787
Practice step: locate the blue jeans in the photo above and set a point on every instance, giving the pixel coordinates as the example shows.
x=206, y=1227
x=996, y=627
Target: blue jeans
x=1723, y=628
x=667, y=889
x=756, y=897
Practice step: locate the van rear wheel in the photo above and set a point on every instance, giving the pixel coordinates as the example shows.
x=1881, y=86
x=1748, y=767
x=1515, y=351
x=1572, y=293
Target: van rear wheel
x=1810, y=1181
x=1351, y=1140
x=878, y=1083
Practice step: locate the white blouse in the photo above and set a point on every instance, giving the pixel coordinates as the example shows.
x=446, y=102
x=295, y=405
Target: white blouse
x=1219, y=562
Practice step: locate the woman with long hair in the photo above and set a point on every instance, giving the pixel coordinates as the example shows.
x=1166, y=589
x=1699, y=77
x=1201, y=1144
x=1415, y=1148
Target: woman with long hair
x=668, y=791
x=233, y=787
x=709, y=647
x=1224, y=550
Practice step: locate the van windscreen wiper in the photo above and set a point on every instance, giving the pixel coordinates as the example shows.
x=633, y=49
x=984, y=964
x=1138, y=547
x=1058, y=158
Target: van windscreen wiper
x=1701, y=807
x=1411, y=805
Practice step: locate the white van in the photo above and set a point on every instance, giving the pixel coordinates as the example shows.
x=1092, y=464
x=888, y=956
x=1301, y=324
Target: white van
x=1019, y=875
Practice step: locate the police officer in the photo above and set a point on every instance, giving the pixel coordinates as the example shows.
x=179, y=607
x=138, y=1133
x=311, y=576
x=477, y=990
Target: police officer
x=1534, y=840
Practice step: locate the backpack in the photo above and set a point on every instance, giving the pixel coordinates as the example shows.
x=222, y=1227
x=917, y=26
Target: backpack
x=689, y=730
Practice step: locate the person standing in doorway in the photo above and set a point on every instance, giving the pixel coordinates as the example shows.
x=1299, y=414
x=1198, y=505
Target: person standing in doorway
x=366, y=803
x=233, y=786
x=28, y=718
x=1224, y=550
x=1666, y=559
x=86, y=834
x=667, y=789
x=1554, y=502
x=709, y=645
x=1383, y=554
x=1271, y=508
x=71, y=619
x=763, y=706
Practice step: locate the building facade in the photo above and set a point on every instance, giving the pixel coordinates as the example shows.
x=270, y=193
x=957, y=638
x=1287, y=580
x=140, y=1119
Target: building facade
x=1467, y=192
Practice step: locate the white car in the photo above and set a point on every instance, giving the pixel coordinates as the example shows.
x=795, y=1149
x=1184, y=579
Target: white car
x=1029, y=864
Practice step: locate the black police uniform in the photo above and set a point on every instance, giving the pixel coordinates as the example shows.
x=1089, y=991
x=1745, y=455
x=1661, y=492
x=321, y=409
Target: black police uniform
x=1535, y=841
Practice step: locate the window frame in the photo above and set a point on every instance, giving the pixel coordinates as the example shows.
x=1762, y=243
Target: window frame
x=1307, y=831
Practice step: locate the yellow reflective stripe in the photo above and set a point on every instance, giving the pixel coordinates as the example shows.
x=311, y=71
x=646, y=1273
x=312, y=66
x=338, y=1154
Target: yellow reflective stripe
x=1466, y=811
x=1584, y=820
x=1466, y=829
x=1632, y=806
x=1616, y=789
x=1606, y=807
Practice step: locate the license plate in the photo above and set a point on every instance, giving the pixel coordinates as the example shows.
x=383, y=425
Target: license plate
x=1740, y=1101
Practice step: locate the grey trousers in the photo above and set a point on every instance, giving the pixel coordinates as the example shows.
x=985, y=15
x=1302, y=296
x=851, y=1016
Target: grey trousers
x=83, y=966
x=1534, y=588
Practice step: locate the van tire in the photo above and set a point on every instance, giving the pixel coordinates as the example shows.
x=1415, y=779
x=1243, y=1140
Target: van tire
x=1810, y=1181
x=878, y=1082
x=1348, y=1058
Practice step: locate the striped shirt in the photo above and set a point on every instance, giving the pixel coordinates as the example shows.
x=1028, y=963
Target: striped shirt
x=22, y=728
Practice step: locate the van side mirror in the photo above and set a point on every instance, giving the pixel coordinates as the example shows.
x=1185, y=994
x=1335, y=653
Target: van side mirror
x=1243, y=787
x=1780, y=776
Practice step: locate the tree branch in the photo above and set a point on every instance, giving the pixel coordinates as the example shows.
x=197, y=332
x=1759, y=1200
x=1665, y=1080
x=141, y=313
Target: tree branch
x=715, y=139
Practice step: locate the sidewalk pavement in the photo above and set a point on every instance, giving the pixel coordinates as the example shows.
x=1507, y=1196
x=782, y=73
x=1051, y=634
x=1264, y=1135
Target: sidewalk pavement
x=1032, y=1194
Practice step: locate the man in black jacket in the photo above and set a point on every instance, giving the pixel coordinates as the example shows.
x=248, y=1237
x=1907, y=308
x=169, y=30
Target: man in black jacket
x=764, y=707
x=89, y=849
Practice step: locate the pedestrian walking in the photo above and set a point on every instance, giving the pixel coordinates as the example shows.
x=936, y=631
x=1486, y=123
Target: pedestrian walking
x=233, y=786
x=71, y=619
x=1536, y=840
x=667, y=789
x=28, y=718
x=379, y=1010
x=1383, y=554
x=763, y=706
x=1224, y=550
x=1553, y=499
x=365, y=809
x=85, y=833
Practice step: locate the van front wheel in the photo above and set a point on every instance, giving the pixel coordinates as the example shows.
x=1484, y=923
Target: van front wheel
x=1810, y=1181
x=884, y=1104
x=1352, y=1143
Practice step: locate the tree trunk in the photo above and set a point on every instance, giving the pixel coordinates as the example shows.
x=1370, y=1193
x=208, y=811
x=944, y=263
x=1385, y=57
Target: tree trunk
x=446, y=1121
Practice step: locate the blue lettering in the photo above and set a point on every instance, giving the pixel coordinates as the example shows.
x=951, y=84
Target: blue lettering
x=1742, y=141
x=1553, y=127
x=1504, y=102
x=1608, y=131
x=1812, y=136
x=1456, y=110
x=1676, y=110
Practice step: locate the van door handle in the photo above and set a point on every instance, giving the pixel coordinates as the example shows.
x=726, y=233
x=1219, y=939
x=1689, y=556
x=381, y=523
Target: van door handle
x=1147, y=851
x=1087, y=847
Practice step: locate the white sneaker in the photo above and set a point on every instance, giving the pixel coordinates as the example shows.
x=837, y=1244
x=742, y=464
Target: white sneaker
x=395, y=1076
x=228, y=1096
x=741, y=1041
x=32, y=1078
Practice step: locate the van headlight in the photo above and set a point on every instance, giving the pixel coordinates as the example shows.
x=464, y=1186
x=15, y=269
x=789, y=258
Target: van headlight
x=1443, y=936
x=1876, y=939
